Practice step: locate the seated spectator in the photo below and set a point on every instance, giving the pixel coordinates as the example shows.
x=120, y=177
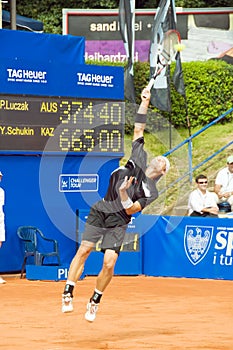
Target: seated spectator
x=201, y=201
x=224, y=184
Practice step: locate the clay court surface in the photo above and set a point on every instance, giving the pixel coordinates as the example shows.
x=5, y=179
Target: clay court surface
x=136, y=313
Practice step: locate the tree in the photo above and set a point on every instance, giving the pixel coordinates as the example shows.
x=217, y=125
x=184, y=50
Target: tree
x=50, y=12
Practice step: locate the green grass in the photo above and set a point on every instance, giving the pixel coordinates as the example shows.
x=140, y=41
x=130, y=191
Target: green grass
x=208, y=142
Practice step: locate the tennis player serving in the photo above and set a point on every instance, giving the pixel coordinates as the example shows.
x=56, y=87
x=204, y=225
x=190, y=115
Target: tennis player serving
x=131, y=188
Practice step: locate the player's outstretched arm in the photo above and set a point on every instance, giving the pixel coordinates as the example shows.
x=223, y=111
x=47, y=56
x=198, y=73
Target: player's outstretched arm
x=140, y=120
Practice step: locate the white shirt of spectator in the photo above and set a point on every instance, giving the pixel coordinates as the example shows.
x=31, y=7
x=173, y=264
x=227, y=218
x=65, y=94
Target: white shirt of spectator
x=198, y=201
x=225, y=179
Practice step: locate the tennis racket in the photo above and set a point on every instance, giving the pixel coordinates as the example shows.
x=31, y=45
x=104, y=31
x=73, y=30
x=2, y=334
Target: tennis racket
x=166, y=52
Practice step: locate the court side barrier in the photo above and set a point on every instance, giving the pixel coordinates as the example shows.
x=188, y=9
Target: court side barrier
x=189, y=141
x=164, y=246
x=192, y=247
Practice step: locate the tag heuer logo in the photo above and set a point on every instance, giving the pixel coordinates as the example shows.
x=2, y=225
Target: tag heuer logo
x=197, y=241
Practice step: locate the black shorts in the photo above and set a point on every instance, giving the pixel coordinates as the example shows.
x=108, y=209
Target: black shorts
x=109, y=237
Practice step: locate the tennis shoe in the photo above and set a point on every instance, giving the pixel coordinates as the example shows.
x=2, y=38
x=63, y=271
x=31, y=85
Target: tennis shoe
x=92, y=309
x=2, y=281
x=67, y=303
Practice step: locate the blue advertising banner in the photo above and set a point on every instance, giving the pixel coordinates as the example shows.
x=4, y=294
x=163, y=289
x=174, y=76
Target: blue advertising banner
x=36, y=71
x=54, y=65
x=188, y=247
x=33, y=197
x=47, y=273
x=60, y=79
x=42, y=47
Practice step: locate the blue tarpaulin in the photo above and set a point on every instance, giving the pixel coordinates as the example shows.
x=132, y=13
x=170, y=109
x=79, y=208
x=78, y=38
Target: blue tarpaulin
x=23, y=22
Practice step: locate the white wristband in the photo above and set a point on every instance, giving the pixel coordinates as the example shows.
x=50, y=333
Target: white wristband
x=127, y=204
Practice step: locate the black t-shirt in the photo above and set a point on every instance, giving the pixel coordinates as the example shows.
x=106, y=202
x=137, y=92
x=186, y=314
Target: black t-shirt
x=142, y=190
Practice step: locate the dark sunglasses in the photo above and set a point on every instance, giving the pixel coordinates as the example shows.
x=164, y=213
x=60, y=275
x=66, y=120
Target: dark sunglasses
x=202, y=182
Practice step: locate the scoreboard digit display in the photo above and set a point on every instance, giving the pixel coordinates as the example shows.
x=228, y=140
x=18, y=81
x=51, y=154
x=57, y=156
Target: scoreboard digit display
x=60, y=124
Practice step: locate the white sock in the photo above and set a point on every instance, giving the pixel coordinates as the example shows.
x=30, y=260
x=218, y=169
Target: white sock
x=98, y=291
x=71, y=283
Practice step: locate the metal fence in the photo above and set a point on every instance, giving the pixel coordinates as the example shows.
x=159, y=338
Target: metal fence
x=189, y=141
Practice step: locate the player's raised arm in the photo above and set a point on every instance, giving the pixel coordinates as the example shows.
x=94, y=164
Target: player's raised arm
x=140, y=120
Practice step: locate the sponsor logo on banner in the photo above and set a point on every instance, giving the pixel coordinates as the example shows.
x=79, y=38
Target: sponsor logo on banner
x=223, y=247
x=78, y=183
x=26, y=76
x=197, y=241
x=95, y=79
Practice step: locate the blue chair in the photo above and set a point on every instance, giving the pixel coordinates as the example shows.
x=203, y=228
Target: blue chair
x=38, y=246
